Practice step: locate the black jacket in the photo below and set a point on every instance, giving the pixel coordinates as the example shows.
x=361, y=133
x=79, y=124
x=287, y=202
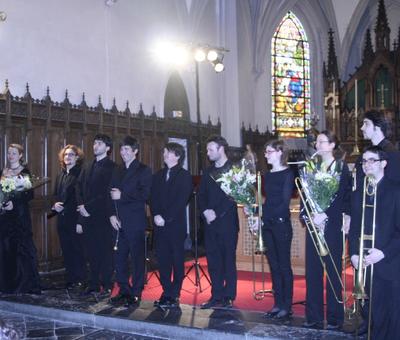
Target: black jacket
x=135, y=186
x=92, y=188
x=169, y=198
x=387, y=230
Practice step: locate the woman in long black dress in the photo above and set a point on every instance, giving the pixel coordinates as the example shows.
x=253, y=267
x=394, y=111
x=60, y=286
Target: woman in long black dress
x=71, y=158
x=331, y=222
x=18, y=266
x=277, y=228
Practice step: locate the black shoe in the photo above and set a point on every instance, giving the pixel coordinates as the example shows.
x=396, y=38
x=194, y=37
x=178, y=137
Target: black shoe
x=75, y=285
x=133, y=301
x=282, y=315
x=104, y=293
x=89, y=291
x=120, y=299
x=314, y=325
x=363, y=329
x=227, y=303
x=272, y=313
x=333, y=327
x=211, y=304
x=161, y=301
x=171, y=303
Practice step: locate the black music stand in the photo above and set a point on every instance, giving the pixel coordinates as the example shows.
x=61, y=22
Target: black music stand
x=147, y=261
x=196, y=265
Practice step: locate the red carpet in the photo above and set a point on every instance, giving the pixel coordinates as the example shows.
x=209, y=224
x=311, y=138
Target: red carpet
x=191, y=294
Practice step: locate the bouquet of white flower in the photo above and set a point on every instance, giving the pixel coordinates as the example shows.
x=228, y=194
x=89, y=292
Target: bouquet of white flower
x=13, y=184
x=238, y=183
x=320, y=183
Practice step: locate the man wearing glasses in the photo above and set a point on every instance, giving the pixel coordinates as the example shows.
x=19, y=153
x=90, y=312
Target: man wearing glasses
x=381, y=256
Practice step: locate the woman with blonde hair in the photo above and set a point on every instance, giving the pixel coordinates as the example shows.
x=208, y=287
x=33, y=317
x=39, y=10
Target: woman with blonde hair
x=18, y=259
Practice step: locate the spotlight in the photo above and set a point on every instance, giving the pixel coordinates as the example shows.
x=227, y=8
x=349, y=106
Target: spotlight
x=199, y=55
x=219, y=66
x=212, y=55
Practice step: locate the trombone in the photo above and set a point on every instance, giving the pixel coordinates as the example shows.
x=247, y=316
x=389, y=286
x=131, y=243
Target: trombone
x=318, y=239
x=260, y=248
x=359, y=295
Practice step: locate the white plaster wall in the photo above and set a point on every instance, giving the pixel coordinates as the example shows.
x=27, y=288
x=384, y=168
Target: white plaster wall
x=86, y=46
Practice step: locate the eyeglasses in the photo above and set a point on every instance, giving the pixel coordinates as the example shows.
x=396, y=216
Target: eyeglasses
x=370, y=161
x=69, y=154
x=268, y=152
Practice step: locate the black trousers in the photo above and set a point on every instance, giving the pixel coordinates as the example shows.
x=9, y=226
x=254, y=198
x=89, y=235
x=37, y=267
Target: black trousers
x=98, y=243
x=315, y=280
x=221, y=238
x=130, y=244
x=170, y=256
x=277, y=237
x=72, y=249
x=385, y=309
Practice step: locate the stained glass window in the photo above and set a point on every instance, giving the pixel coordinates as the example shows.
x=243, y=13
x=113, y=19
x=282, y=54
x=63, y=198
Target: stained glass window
x=290, y=78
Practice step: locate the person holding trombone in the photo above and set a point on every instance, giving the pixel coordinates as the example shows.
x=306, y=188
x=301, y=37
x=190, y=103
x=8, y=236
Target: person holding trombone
x=329, y=224
x=374, y=245
x=277, y=230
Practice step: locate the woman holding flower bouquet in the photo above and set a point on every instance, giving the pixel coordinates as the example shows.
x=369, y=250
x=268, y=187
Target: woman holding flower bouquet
x=327, y=181
x=18, y=261
x=277, y=228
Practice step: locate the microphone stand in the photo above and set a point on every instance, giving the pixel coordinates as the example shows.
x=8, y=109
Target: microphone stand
x=196, y=265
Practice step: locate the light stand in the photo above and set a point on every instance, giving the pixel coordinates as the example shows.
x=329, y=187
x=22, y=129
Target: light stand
x=196, y=265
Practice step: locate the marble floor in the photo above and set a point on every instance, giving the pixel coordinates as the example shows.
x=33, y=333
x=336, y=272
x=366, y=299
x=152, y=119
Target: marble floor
x=62, y=314
x=22, y=326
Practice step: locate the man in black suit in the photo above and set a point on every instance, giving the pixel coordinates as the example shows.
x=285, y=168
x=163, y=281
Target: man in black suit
x=221, y=229
x=383, y=257
x=130, y=189
x=92, y=195
x=170, y=193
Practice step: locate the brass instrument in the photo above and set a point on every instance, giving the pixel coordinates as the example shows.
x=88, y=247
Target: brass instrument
x=259, y=249
x=318, y=238
x=359, y=295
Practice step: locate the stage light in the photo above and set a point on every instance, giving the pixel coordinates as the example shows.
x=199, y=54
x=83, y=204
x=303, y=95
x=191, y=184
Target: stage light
x=219, y=66
x=171, y=53
x=212, y=55
x=199, y=55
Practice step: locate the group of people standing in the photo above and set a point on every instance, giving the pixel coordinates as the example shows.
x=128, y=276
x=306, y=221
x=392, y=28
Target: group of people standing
x=381, y=164
x=102, y=206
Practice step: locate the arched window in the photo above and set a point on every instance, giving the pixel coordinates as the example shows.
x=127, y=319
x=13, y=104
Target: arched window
x=290, y=78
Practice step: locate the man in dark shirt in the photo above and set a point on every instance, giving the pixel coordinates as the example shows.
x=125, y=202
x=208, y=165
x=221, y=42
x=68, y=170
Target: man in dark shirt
x=375, y=128
x=382, y=258
x=92, y=193
x=130, y=189
x=221, y=229
x=170, y=193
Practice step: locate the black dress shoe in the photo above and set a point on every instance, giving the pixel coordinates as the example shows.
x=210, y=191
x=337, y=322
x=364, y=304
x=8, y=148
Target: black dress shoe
x=161, y=301
x=314, y=325
x=104, y=293
x=333, y=327
x=227, y=303
x=282, y=315
x=363, y=329
x=272, y=313
x=119, y=299
x=133, y=301
x=211, y=304
x=89, y=291
x=171, y=303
